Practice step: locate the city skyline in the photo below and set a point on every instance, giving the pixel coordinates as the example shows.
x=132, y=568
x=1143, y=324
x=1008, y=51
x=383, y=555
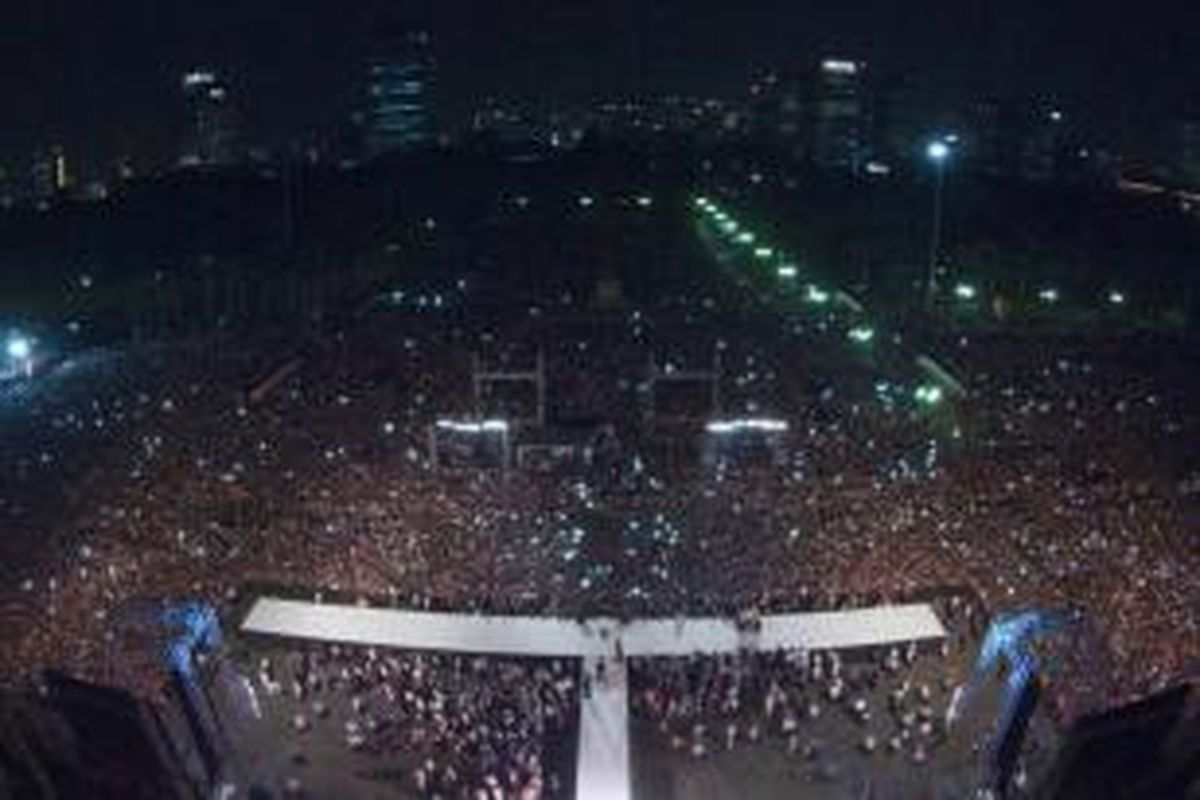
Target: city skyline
x=110, y=91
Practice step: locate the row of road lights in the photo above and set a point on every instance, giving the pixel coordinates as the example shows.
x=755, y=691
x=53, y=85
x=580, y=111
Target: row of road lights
x=939, y=152
x=861, y=333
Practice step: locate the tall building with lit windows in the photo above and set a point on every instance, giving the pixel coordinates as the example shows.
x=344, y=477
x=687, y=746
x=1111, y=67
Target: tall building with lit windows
x=841, y=115
x=400, y=72
x=210, y=137
x=49, y=178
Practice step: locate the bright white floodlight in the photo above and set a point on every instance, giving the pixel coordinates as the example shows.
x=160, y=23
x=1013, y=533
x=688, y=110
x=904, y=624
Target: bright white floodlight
x=20, y=348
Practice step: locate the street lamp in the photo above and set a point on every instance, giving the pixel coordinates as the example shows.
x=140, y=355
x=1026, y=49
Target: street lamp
x=938, y=152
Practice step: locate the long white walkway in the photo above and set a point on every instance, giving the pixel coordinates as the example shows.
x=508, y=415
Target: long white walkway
x=603, y=767
x=549, y=636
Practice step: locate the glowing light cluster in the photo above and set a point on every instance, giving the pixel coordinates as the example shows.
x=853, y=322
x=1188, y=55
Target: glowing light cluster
x=928, y=395
x=483, y=426
x=840, y=67
x=20, y=348
x=760, y=424
x=861, y=334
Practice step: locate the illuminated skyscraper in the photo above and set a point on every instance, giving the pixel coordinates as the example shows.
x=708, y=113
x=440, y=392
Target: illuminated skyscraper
x=400, y=72
x=49, y=176
x=841, y=115
x=211, y=134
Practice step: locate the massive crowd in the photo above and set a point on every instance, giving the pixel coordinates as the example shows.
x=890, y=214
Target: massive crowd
x=1061, y=479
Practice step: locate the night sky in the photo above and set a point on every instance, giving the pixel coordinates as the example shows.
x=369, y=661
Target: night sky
x=102, y=75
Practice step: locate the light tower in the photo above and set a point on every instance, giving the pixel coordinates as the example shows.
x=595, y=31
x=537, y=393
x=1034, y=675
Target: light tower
x=938, y=152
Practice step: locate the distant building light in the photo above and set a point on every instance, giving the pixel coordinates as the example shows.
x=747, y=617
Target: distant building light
x=644, y=201
x=965, y=291
x=938, y=150
x=198, y=78
x=878, y=168
x=1048, y=295
x=586, y=201
x=1056, y=116
x=1140, y=187
x=1116, y=298
x=839, y=67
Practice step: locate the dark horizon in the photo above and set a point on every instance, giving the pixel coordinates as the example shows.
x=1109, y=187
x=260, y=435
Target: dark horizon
x=102, y=79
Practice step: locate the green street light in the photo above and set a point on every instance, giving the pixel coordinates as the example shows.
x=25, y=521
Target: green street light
x=786, y=271
x=729, y=226
x=861, y=334
x=928, y=395
x=701, y=202
x=745, y=237
x=817, y=295
x=965, y=291
x=763, y=252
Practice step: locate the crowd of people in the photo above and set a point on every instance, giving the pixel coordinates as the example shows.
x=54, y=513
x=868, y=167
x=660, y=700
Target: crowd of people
x=825, y=709
x=1060, y=479
x=469, y=727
